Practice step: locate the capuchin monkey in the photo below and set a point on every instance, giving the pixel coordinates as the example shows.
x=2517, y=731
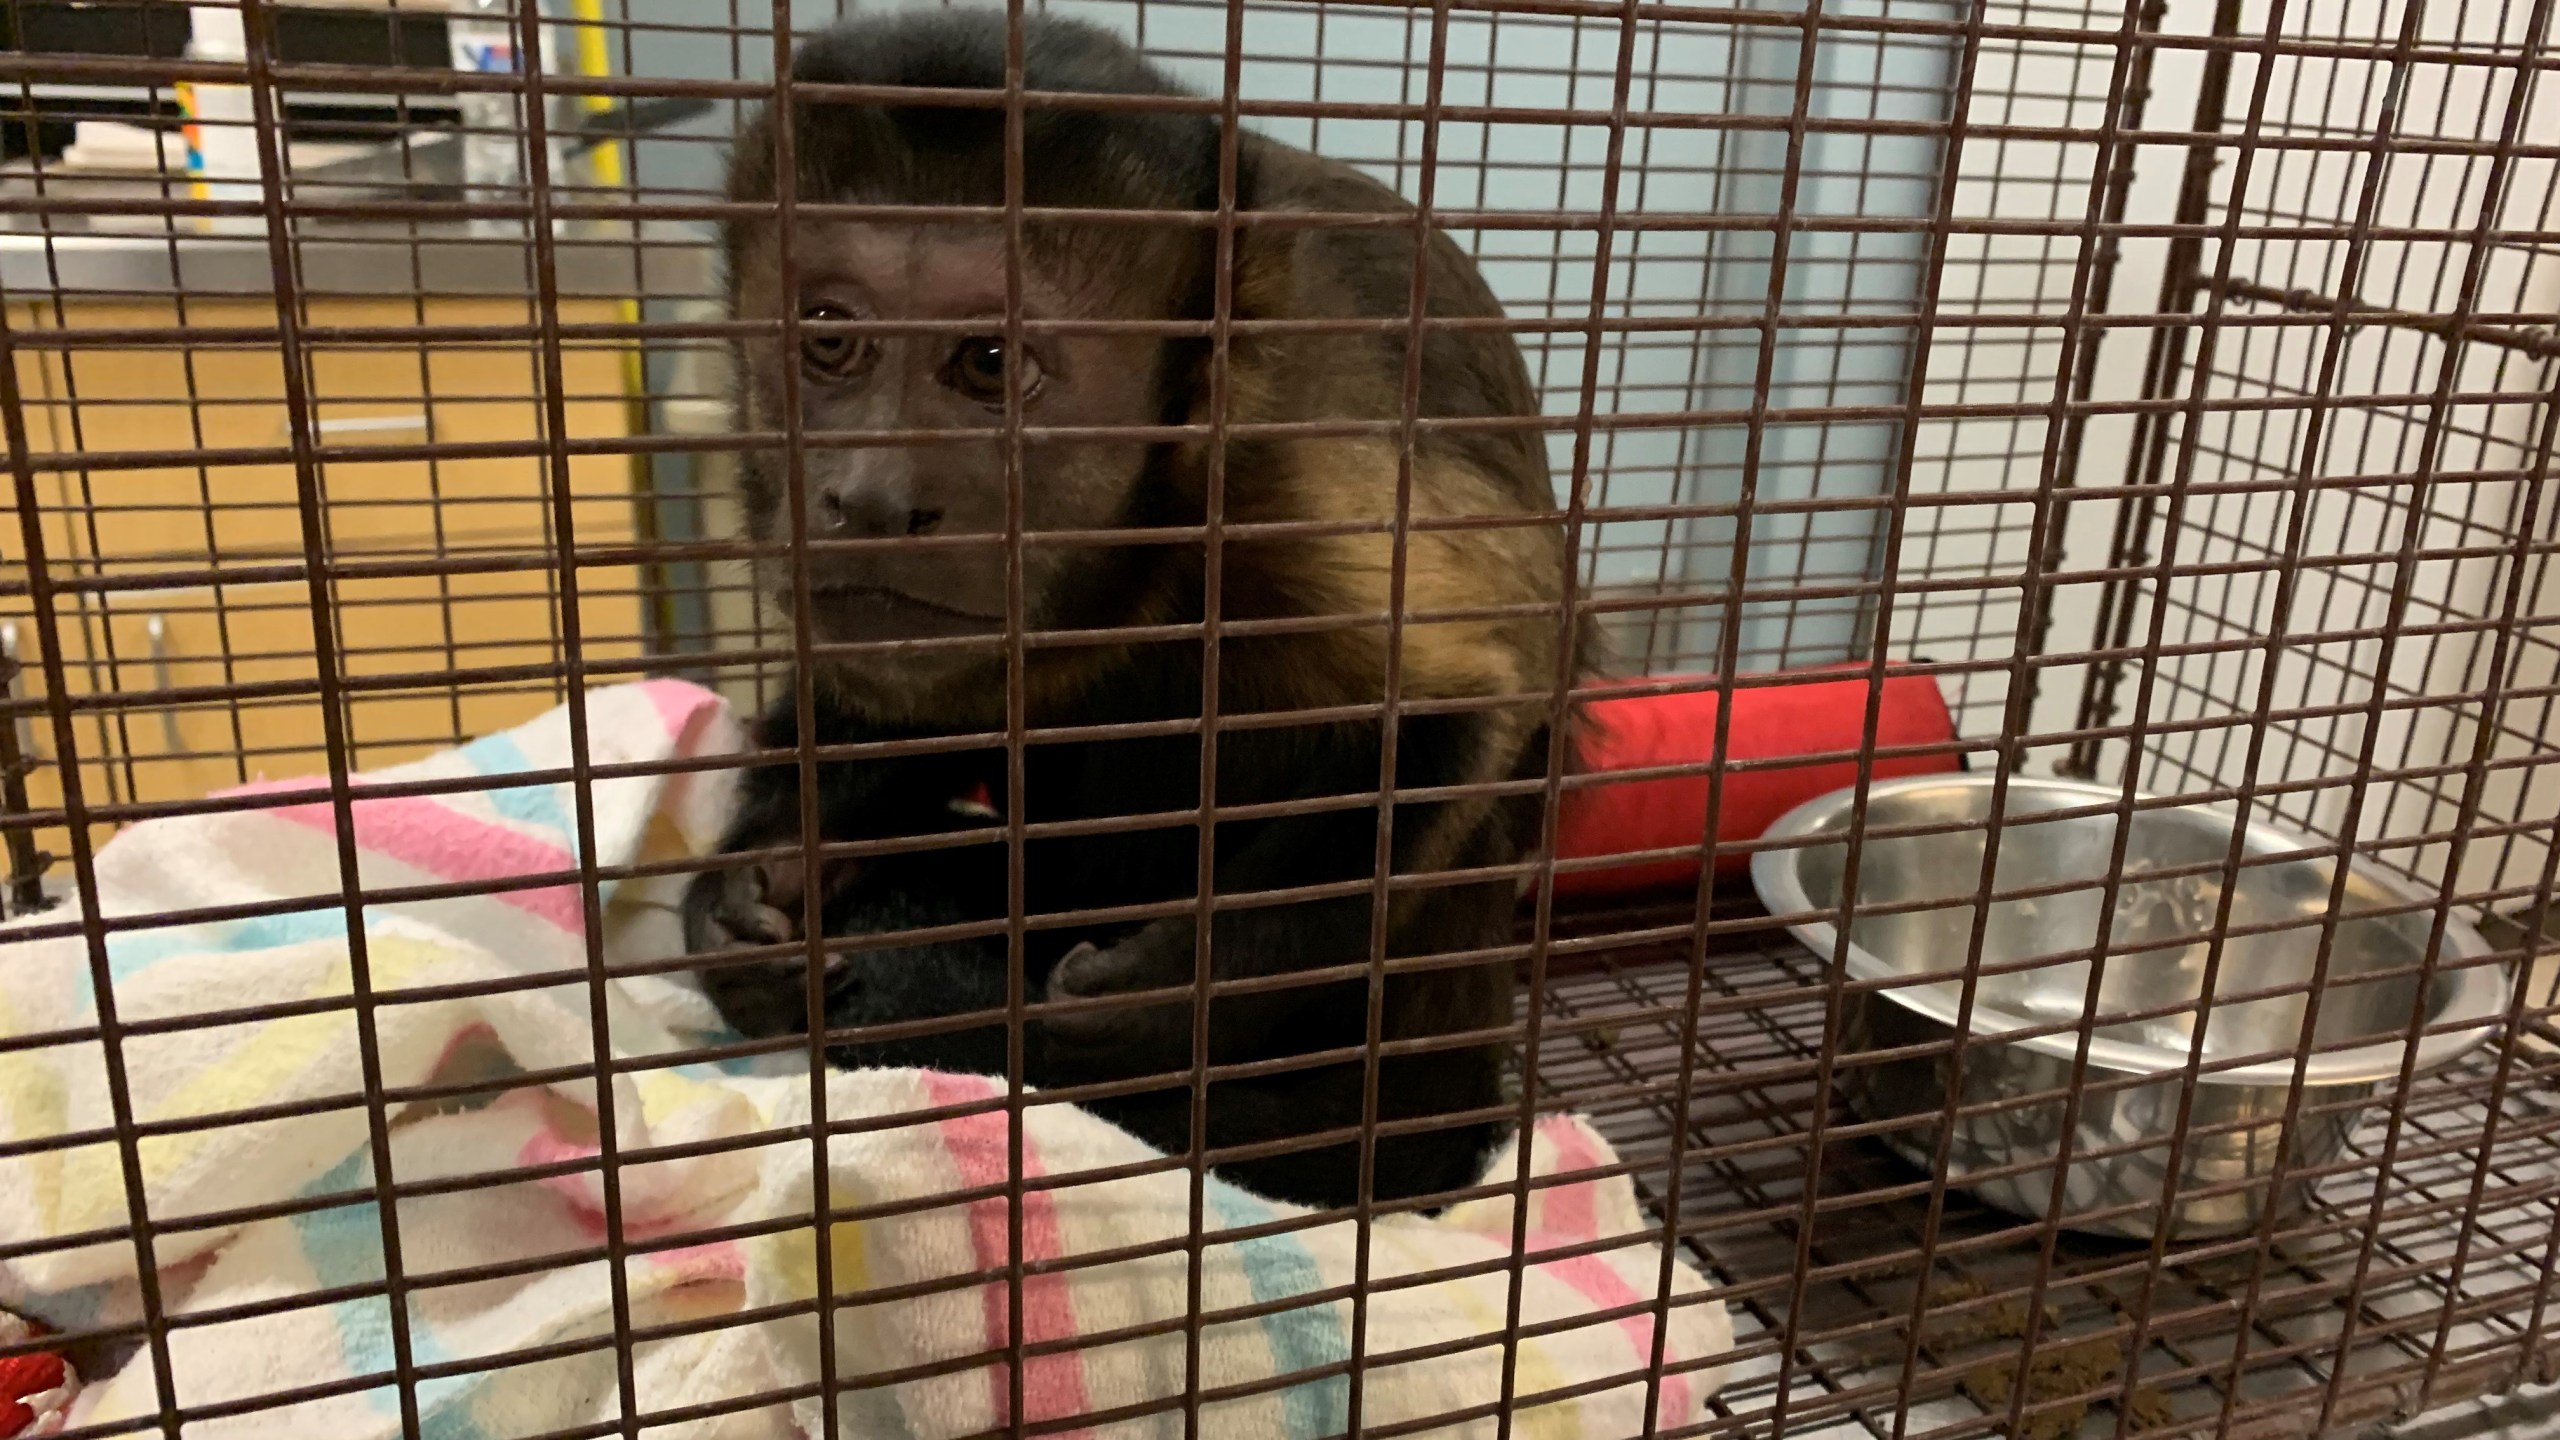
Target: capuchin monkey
x=1306, y=575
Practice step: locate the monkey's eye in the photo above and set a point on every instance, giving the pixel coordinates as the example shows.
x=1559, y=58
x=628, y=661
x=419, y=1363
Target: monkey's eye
x=829, y=354
x=977, y=370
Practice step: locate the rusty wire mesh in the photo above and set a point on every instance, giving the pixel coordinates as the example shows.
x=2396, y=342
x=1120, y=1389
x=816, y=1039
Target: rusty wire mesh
x=2171, y=384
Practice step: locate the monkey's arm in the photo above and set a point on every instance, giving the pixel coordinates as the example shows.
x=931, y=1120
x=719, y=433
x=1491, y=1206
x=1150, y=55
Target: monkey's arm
x=753, y=903
x=1262, y=941
x=1246, y=942
x=761, y=902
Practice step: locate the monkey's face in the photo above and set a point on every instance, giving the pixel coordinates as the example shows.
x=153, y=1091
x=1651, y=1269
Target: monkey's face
x=907, y=533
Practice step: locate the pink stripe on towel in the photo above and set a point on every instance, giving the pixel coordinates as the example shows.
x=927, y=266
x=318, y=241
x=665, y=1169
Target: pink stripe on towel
x=1052, y=1385
x=1592, y=1278
x=1572, y=1217
x=1569, y=1208
x=679, y=704
x=428, y=835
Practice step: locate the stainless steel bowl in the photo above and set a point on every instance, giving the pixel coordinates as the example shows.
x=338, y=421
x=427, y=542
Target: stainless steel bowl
x=2005, y=1148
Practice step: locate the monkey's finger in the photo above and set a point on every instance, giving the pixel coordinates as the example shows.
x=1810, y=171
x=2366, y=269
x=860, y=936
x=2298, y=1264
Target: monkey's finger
x=760, y=924
x=1090, y=971
x=778, y=882
x=1078, y=973
x=1138, y=1038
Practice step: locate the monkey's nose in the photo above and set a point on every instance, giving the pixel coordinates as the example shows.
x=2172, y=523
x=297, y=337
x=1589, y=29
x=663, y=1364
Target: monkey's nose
x=869, y=515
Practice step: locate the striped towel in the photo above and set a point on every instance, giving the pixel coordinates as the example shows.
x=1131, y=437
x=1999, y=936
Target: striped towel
x=505, y=1256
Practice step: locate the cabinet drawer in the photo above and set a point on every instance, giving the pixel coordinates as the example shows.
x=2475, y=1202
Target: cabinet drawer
x=450, y=565
x=180, y=397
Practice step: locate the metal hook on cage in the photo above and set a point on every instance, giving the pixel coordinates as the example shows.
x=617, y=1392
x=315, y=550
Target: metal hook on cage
x=10, y=668
x=18, y=758
x=157, y=628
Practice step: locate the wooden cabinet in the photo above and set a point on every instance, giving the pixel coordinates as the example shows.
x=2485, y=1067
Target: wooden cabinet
x=444, y=572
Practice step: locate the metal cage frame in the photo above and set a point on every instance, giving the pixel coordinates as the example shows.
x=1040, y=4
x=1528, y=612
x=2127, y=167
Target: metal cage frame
x=1835, y=374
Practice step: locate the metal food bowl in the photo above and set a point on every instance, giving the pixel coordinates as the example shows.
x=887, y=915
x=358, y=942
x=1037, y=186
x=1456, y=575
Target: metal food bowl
x=2005, y=1146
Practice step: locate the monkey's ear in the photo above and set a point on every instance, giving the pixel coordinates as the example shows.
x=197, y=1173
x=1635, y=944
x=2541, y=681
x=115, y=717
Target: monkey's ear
x=1263, y=286
x=786, y=882
x=1265, y=280
x=1265, y=274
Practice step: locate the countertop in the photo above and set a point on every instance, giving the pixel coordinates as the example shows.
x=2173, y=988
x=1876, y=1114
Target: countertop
x=94, y=235
x=428, y=259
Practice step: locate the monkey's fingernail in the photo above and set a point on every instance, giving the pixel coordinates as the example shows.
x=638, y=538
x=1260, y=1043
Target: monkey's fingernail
x=771, y=926
x=1063, y=980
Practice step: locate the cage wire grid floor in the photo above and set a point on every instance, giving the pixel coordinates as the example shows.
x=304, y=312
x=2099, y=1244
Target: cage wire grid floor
x=1611, y=1047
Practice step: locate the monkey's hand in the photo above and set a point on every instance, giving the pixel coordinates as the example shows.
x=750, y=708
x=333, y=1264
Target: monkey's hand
x=737, y=907
x=1131, y=1037
x=743, y=905
x=742, y=908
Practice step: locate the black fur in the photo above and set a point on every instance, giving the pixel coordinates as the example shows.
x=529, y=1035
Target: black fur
x=948, y=886
x=1447, y=1016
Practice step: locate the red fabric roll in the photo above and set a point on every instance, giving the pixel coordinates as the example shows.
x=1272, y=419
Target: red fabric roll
x=1814, y=717
x=36, y=1386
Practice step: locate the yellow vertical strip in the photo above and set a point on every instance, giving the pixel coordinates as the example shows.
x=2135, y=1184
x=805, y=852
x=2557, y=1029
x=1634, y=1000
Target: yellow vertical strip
x=594, y=57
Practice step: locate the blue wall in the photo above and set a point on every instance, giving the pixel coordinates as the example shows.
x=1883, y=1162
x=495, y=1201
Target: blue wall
x=1358, y=54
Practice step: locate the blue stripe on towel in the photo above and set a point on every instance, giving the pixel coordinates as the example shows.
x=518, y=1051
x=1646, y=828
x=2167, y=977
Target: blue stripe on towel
x=537, y=805
x=343, y=1246
x=546, y=807
x=1277, y=1267
x=131, y=952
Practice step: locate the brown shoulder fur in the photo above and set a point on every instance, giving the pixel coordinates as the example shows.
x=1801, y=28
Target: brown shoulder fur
x=1484, y=560
x=1506, y=551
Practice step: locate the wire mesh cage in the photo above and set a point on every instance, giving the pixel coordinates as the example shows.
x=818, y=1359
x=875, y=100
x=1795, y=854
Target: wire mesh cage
x=2023, y=858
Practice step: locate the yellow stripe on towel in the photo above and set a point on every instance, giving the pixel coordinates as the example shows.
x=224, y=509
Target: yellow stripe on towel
x=1534, y=1372
x=792, y=1258
x=262, y=1067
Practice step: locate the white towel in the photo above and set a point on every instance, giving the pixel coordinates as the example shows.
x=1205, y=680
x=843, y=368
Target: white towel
x=539, y=1194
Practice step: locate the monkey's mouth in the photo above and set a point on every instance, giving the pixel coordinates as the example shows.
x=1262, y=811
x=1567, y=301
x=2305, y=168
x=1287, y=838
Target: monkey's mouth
x=847, y=614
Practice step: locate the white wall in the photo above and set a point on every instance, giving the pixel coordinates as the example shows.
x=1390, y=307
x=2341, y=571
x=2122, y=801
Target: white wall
x=2372, y=437
x=1965, y=540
